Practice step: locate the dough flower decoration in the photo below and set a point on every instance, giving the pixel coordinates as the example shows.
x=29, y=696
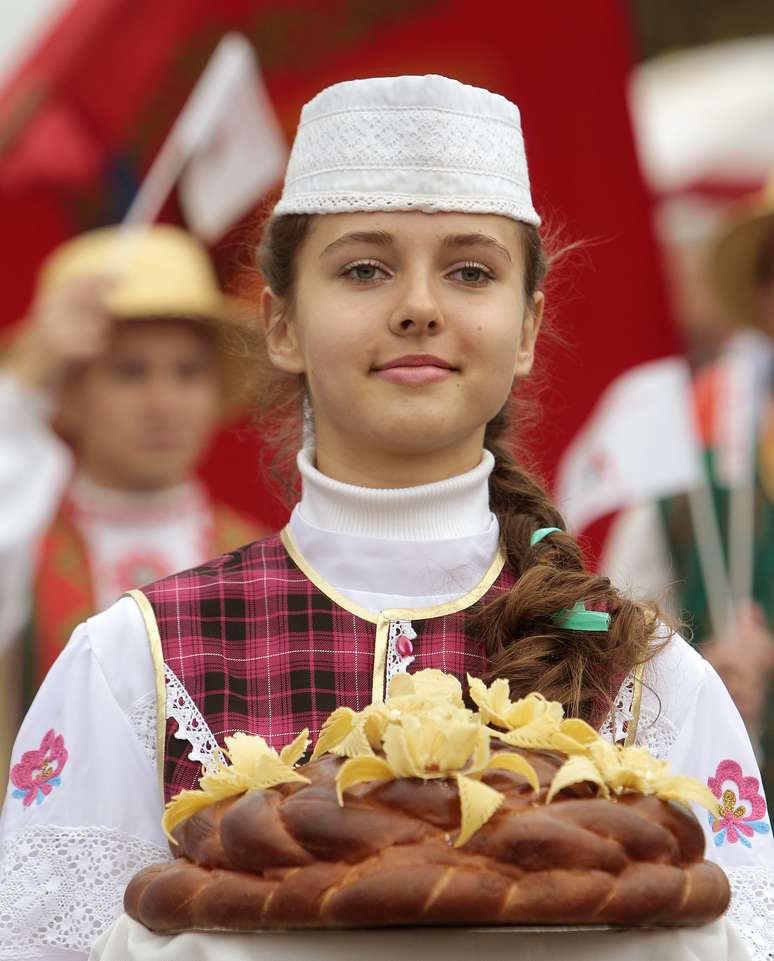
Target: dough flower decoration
x=252, y=764
x=422, y=731
x=620, y=770
x=532, y=722
x=353, y=734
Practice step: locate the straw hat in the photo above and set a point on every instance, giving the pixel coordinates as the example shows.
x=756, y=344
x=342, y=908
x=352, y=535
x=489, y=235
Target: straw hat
x=735, y=256
x=161, y=272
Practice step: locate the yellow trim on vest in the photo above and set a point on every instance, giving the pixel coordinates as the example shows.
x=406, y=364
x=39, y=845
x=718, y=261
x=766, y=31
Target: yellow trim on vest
x=394, y=614
x=157, y=656
x=319, y=582
x=380, y=659
x=631, y=734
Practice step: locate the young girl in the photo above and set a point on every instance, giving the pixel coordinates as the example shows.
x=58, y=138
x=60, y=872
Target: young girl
x=404, y=267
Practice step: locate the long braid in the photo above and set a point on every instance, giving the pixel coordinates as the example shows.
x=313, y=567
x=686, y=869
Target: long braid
x=581, y=669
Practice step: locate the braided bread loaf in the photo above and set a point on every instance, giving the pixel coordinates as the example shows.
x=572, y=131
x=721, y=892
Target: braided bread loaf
x=291, y=857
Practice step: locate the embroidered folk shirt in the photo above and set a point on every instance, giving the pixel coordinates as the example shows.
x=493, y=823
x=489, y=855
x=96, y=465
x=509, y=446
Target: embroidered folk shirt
x=77, y=835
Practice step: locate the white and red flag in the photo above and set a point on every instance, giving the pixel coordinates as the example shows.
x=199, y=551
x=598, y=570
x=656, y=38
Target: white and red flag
x=225, y=151
x=237, y=149
x=640, y=443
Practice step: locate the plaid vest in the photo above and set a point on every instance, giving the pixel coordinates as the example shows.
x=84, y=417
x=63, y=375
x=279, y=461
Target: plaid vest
x=256, y=641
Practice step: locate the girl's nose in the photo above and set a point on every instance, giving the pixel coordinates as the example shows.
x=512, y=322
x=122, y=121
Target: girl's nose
x=418, y=312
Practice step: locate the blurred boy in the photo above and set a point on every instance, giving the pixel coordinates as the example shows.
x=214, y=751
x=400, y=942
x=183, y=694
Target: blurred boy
x=129, y=358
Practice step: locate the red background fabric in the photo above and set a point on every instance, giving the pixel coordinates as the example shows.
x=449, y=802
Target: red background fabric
x=82, y=121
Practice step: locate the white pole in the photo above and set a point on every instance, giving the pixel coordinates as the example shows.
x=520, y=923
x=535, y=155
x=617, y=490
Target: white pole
x=158, y=184
x=741, y=539
x=207, y=101
x=742, y=402
x=711, y=561
x=148, y=201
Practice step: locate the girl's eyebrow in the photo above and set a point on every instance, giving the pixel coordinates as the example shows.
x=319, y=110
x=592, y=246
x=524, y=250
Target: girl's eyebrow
x=383, y=239
x=379, y=237
x=476, y=240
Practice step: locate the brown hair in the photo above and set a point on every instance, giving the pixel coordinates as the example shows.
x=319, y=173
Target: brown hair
x=581, y=669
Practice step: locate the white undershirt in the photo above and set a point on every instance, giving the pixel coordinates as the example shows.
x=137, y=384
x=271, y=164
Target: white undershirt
x=395, y=548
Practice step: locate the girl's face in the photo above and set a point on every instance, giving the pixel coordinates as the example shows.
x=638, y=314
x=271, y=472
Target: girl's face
x=409, y=329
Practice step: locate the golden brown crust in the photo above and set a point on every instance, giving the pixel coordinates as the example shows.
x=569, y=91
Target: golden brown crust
x=293, y=858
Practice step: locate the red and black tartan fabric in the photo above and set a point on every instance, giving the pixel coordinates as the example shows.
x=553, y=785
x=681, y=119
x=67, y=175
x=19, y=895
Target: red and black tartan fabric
x=260, y=649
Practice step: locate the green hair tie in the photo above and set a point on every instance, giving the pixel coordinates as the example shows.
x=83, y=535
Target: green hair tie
x=577, y=618
x=538, y=536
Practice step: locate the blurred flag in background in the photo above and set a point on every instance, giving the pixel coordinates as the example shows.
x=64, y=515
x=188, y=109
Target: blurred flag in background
x=117, y=74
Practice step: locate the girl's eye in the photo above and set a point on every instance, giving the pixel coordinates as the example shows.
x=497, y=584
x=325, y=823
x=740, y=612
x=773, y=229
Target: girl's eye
x=364, y=272
x=474, y=275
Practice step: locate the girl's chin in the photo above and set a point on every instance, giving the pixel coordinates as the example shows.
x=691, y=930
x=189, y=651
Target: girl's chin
x=416, y=440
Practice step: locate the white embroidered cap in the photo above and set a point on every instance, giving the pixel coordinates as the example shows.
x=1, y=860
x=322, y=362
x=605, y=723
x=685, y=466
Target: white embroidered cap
x=408, y=143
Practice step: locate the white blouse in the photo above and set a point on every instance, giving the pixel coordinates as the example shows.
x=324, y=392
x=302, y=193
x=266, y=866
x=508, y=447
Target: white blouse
x=66, y=857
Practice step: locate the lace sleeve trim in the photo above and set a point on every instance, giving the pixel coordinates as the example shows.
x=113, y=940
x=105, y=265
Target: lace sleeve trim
x=142, y=717
x=62, y=887
x=617, y=723
x=752, y=909
x=191, y=725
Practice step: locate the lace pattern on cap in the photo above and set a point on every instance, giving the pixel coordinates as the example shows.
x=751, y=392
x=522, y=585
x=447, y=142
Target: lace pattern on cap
x=191, y=726
x=449, y=141
x=752, y=909
x=142, y=717
x=62, y=887
x=326, y=202
x=398, y=663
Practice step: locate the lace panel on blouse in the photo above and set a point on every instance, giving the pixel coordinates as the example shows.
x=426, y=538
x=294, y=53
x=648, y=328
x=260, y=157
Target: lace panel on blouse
x=62, y=887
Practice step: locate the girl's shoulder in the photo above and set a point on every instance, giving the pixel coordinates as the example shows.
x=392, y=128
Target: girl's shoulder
x=674, y=663
x=671, y=683
x=118, y=641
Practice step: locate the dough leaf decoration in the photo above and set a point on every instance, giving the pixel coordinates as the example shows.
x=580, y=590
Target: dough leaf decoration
x=252, y=765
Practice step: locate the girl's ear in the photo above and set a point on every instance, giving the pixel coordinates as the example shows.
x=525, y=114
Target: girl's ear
x=530, y=328
x=280, y=331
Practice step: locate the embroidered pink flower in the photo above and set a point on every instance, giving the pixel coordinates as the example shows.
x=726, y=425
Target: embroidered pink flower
x=741, y=809
x=38, y=772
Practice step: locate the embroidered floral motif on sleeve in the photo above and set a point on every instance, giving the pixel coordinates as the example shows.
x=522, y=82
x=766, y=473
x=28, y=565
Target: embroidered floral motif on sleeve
x=741, y=808
x=400, y=649
x=38, y=772
x=61, y=887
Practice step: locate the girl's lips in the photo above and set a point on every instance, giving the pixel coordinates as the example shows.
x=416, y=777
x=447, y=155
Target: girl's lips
x=414, y=376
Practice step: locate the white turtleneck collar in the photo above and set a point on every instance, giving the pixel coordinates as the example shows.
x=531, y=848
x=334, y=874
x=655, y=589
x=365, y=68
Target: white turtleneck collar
x=456, y=507
x=395, y=548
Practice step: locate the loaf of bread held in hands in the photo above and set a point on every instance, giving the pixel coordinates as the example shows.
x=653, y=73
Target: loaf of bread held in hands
x=381, y=834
